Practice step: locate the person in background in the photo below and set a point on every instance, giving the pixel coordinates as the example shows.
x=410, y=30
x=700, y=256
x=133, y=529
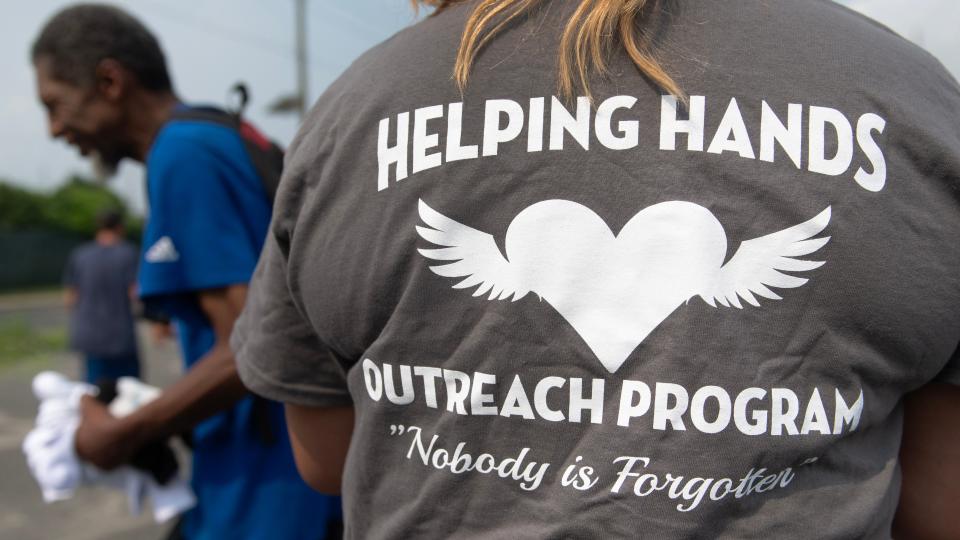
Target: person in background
x=103, y=79
x=100, y=285
x=621, y=269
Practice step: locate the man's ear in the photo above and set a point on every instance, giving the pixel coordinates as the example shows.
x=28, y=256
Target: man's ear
x=113, y=80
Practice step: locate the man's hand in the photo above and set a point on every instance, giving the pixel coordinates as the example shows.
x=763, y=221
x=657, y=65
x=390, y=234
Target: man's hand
x=211, y=385
x=161, y=332
x=101, y=438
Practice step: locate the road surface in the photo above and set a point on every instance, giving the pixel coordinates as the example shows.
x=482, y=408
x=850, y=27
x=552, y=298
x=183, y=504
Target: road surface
x=93, y=513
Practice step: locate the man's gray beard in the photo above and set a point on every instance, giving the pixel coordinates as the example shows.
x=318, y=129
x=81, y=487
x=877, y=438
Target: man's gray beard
x=103, y=169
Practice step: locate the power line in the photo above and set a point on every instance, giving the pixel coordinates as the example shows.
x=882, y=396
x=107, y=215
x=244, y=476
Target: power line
x=209, y=27
x=260, y=42
x=240, y=37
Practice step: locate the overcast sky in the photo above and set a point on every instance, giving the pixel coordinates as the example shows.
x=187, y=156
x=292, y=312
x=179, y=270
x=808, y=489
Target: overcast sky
x=210, y=44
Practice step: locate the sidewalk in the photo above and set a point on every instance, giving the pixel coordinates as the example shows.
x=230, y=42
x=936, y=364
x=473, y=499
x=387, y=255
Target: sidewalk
x=26, y=301
x=93, y=514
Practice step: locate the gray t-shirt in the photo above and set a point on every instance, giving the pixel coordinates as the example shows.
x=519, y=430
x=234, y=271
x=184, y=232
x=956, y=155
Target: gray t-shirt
x=101, y=322
x=626, y=319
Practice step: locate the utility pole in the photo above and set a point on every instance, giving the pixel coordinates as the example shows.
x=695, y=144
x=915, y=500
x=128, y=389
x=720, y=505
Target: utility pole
x=301, y=45
x=297, y=101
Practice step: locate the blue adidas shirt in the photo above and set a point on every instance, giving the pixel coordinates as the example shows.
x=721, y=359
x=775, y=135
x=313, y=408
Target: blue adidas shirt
x=208, y=218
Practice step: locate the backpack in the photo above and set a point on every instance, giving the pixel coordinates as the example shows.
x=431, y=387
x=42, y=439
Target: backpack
x=266, y=155
x=267, y=159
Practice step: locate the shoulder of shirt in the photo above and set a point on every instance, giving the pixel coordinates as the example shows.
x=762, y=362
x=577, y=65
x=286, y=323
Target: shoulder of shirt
x=394, y=63
x=190, y=137
x=884, y=43
x=420, y=43
x=197, y=146
x=389, y=69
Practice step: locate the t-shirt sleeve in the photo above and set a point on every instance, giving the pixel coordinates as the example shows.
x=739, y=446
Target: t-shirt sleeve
x=197, y=235
x=279, y=355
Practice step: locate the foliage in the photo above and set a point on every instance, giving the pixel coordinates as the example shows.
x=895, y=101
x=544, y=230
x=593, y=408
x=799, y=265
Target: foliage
x=75, y=206
x=72, y=208
x=19, y=208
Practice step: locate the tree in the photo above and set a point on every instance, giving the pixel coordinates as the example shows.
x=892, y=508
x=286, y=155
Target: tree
x=19, y=208
x=73, y=208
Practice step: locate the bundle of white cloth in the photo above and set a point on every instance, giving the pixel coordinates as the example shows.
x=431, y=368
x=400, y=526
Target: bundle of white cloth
x=53, y=461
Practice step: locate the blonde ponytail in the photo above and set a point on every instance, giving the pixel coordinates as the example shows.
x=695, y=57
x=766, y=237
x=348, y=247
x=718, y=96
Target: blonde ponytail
x=588, y=39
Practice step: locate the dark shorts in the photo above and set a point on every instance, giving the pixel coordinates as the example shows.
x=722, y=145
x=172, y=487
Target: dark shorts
x=111, y=367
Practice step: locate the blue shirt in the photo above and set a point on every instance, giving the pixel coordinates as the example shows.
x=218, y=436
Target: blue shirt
x=209, y=215
x=101, y=321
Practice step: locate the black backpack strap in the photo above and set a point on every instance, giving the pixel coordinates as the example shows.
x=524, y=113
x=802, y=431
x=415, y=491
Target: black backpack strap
x=267, y=159
x=266, y=156
x=211, y=115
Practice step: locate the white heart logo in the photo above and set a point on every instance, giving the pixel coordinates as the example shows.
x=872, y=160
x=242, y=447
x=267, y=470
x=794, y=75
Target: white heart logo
x=616, y=289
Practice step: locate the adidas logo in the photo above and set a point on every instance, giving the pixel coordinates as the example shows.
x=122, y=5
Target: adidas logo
x=162, y=251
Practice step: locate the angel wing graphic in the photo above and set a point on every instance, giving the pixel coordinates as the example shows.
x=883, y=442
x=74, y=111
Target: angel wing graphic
x=616, y=289
x=477, y=257
x=759, y=264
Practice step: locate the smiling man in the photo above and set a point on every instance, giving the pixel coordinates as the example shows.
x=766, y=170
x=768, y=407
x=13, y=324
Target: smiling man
x=103, y=79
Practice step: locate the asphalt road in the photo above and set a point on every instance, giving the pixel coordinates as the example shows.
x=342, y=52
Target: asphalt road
x=93, y=513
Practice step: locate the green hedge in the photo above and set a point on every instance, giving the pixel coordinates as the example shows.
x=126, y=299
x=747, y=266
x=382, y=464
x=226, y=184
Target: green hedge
x=72, y=208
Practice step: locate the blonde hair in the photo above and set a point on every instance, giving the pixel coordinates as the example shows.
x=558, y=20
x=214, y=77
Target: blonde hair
x=587, y=41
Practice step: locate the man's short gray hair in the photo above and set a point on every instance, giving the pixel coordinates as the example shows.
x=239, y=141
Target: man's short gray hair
x=79, y=37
